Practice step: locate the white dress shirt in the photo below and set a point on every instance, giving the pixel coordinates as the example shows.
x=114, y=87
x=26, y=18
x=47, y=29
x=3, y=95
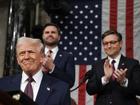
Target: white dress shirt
x=54, y=51
x=117, y=59
x=116, y=64
x=53, y=54
x=35, y=85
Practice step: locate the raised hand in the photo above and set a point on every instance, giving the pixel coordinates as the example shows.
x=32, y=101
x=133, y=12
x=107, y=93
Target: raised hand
x=108, y=69
x=120, y=75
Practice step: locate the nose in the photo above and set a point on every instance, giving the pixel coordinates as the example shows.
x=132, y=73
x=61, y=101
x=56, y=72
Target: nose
x=109, y=44
x=26, y=55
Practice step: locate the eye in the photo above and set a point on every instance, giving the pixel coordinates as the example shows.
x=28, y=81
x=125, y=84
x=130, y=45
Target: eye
x=46, y=32
x=22, y=53
x=31, y=52
x=53, y=32
x=110, y=42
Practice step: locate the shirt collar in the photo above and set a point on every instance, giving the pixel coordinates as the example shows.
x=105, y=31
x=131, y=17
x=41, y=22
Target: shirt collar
x=54, y=50
x=37, y=77
x=117, y=59
x=24, y=77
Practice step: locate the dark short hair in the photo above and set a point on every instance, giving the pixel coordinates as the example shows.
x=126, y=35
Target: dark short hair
x=52, y=24
x=109, y=32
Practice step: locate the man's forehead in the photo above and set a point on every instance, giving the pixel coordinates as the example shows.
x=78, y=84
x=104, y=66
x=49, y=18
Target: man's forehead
x=27, y=44
x=48, y=28
x=111, y=36
x=27, y=47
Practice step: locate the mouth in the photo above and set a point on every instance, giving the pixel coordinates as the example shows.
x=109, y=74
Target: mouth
x=50, y=38
x=27, y=62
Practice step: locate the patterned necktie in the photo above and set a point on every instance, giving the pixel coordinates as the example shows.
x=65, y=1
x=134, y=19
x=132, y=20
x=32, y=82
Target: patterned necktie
x=28, y=89
x=113, y=62
x=49, y=53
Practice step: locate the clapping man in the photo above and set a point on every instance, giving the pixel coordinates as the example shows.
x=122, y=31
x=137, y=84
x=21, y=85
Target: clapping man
x=115, y=79
x=58, y=63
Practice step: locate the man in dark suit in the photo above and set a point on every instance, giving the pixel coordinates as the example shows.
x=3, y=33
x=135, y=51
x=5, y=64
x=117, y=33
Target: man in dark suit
x=58, y=63
x=115, y=83
x=43, y=89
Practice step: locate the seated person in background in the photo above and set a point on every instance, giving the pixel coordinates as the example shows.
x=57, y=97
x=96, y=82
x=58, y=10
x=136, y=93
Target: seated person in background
x=39, y=86
x=116, y=79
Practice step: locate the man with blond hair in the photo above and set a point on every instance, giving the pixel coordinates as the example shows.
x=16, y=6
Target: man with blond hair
x=40, y=87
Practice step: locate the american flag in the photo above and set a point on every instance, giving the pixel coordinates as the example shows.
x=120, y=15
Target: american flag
x=82, y=29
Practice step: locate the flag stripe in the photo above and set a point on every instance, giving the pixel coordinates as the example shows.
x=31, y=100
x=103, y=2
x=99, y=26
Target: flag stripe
x=113, y=14
x=82, y=88
x=89, y=99
x=105, y=20
x=105, y=16
x=129, y=28
x=121, y=22
x=136, y=31
x=81, y=92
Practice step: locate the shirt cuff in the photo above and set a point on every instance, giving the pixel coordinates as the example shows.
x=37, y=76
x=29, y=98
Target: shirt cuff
x=104, y=80
x=125, y=82
x=52, y=70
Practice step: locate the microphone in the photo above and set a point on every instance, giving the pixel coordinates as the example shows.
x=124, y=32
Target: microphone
x=87, y=76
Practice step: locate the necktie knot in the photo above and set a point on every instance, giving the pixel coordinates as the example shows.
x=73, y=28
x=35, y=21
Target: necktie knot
x=30, y=79
x=50, y=51
x=113, y=62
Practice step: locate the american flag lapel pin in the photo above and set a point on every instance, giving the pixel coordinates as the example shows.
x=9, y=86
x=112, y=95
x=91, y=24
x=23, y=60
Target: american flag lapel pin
x=48, y=89
x=123, y=65
x=60, y=55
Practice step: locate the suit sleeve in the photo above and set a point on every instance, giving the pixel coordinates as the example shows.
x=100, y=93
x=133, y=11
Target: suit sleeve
x=94, y=84
x=133, y=78
x=65, y=99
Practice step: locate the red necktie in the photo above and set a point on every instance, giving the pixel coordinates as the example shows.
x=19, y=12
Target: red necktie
x=28, y=89
x=113, y=62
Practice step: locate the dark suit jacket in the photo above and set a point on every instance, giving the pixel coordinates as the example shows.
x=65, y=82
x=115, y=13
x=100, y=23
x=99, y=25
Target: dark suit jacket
x=51, y=92
x=113, y=92
x=64, y=67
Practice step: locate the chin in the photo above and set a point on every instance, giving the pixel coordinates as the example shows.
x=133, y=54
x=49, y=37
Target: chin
x=111, y=55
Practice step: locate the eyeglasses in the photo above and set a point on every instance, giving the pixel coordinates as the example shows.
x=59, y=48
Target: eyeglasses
x=111, y=43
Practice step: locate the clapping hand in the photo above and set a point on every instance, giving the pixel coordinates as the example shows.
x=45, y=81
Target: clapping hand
x=108, y=69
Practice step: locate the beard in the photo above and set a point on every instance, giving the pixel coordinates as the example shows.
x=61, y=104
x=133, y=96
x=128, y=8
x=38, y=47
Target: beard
x=54, y=43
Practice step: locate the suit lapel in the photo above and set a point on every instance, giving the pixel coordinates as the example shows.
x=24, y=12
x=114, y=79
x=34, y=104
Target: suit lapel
x=102, y=66
x=45, y=91
x=58, y=57
x=122, y=63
